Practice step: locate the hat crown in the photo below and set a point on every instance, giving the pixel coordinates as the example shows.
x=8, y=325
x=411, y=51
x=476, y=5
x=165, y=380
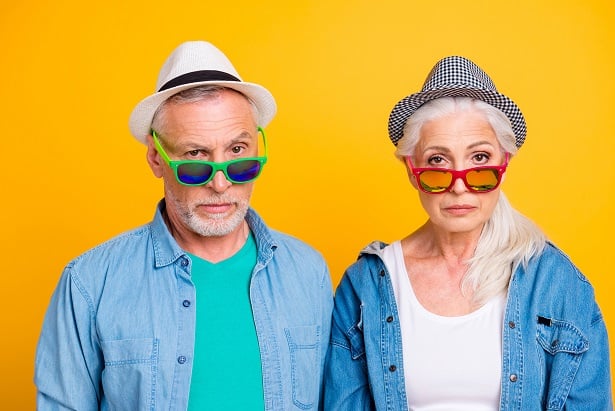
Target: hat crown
x=459, y=72
x=193, y=56
x=456, y=76
x=194, y=64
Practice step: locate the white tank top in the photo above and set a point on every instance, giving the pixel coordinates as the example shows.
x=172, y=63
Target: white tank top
x=450, y=363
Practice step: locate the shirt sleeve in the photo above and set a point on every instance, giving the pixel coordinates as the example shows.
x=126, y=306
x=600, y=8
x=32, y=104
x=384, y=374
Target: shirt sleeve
x=68, y=360
x=327, y=308
x=591, y=389
x=346, y=376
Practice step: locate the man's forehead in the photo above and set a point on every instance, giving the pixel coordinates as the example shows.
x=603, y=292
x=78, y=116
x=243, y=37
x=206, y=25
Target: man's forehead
x=211, y=139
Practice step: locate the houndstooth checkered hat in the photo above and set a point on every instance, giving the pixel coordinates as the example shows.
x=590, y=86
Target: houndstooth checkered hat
x=454, y=77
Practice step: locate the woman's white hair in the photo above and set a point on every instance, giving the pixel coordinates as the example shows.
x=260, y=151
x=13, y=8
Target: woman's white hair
x=508, y=239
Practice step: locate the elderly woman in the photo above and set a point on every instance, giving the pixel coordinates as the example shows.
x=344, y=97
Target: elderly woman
x=476, y=309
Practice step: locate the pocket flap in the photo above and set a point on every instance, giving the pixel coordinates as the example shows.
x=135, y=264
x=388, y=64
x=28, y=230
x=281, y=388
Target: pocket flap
x=118, y=352
x=561, y=336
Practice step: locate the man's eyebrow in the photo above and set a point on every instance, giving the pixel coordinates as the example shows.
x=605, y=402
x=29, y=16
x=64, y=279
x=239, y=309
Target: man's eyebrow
x=242, y=137
x=198, y=145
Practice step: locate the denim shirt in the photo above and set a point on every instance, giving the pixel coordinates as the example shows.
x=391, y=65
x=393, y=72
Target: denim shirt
x=555, y=350
x=120, y=328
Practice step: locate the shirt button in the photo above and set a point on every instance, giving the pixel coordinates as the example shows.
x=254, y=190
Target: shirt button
x=390, y=319
x=392, y=368
x=181, y=359
x=381, y=273
x=513, y=378
x=512, y=324
x=184, y=262
x=186, y=303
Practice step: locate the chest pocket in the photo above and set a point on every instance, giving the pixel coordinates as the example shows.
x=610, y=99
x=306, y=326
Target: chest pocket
x=563, y=345
x=129, y=376
x=305, y=357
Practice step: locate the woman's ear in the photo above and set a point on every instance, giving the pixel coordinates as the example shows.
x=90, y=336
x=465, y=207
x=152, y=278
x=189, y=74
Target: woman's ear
x=411, y=177
x=509, y=157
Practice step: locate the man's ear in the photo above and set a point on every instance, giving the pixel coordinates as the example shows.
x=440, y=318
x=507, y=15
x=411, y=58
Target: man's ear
x=154, y=159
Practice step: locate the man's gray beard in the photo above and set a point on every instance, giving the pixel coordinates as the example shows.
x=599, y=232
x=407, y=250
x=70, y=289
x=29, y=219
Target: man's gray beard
x=215, y=227
x=212, y=227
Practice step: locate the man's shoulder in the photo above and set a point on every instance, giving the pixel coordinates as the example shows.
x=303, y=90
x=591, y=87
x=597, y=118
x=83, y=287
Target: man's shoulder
x=292, y=243
x=126, y=243
x=116, y=262
x=280, y=240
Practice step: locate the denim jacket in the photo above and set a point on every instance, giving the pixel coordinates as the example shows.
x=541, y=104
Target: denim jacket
x=120, y=329
x=555, y=351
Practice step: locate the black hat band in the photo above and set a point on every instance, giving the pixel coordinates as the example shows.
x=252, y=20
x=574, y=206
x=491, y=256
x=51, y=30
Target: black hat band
x=197, y=77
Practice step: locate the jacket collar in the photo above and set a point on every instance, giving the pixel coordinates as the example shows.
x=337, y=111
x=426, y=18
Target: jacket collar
x=374, y=248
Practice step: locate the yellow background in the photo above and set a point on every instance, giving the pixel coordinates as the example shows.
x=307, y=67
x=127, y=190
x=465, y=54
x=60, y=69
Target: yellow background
x=71, y=72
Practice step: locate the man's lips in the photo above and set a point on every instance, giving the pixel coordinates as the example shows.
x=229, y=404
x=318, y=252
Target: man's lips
x=216, y=208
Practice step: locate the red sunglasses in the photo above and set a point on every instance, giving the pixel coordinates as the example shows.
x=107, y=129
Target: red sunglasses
x=433, y=180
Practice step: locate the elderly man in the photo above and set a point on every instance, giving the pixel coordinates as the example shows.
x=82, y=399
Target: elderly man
x=204, y=308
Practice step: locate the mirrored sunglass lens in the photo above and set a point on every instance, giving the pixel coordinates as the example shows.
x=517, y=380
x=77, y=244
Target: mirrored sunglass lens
x=244, y=171
x=194, y=173
x=435, y=181
x=482, y=180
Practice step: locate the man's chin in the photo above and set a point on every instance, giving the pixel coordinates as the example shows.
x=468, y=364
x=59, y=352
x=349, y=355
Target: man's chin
x=218, y=225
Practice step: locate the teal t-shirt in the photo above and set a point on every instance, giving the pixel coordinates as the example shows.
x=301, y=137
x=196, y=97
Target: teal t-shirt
x=226, y=374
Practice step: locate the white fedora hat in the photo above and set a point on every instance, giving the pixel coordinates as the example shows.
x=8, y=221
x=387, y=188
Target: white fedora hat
x=456, y=76
x=192, y=64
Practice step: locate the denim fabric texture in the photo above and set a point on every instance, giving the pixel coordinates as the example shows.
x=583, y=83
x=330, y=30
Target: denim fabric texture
x=555, y=345
x=119, y=330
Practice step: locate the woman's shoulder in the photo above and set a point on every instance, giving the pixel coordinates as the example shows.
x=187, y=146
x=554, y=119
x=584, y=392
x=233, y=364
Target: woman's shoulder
x=554, y=285
x=556, y=263
x=369, y=256
x=552, y=275
x=366, y=272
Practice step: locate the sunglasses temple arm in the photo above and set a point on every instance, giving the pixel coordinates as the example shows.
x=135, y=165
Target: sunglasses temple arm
x=260, y=129
x=159, y=148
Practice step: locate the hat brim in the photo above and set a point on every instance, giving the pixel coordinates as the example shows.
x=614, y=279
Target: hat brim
x=140, y=121
x=408, y=105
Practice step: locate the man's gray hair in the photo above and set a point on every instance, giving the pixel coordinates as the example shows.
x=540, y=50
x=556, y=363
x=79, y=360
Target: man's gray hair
x=192, y=95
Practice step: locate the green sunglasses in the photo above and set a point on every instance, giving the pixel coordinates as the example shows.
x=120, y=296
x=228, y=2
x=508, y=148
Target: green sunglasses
x=200, y=172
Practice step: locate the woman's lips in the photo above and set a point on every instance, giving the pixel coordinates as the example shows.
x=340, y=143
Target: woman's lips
x=461, y=209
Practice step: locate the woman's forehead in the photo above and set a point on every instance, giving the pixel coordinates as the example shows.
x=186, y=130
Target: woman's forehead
x=457, y=130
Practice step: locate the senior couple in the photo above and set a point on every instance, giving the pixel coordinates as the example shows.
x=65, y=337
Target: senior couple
x=207, y=308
